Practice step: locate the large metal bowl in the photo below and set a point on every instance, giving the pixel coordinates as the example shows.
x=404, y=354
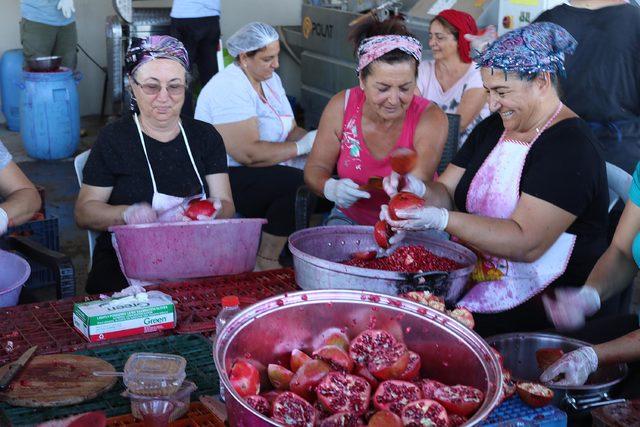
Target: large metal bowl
x=519, y=353
x=269, y=330
x=44, y=63
x=319, y=251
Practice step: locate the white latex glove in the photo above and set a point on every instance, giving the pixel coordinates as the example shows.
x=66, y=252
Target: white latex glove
x=343, y=192
x=576, y=367
x=571, y=306
x=139, y=213
x=399, y=235
x=426, y=218
x=411, y=184
x=217, y=204
x=305, y=144
x=67, y=8
x=4, y=221
x=479, y=43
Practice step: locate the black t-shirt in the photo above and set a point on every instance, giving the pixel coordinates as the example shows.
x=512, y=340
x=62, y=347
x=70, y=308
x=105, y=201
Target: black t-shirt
x=117, y=160
x=603, y=75
x=565, y=168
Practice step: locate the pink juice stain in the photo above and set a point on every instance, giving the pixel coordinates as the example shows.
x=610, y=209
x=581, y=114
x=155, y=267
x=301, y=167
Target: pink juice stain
x=304, y=297
x=279, y=303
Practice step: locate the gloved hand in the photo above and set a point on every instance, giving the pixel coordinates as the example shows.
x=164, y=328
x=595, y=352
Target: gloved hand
x=4, y=221
x=343, y=192
x=411, y=184
x=67, y=8
x=480, y=42
x=139, y=213
x=217, y=204
x=571, y=306
x=576, y=367
x=384, y=216
x=426, y=218
x=305, y=144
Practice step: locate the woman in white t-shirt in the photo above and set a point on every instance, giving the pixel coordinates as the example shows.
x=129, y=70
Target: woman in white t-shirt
x=451, y=79
x=247, y=104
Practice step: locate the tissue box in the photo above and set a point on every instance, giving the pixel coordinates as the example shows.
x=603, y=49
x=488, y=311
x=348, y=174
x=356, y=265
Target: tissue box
x=120, y=317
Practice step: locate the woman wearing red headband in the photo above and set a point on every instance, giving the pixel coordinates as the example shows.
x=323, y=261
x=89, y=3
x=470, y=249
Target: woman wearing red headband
x=451, y=79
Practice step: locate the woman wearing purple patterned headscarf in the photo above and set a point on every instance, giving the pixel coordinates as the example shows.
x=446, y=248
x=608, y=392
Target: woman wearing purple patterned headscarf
x=143, y=167
x=527, y=191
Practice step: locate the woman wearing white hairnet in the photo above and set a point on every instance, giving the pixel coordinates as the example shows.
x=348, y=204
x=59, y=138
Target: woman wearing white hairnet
x=247, y=104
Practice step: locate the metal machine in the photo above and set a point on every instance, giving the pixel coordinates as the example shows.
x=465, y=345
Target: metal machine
x=134, y=19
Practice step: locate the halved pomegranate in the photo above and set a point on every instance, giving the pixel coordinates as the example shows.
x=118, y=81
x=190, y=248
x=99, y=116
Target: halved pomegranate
x=508, y=385
x=260, y=404
x=534, y=394
x=382, y=233
x=403, y=160
x=385, y=419
x=413, y=367
x=335, y=357
x=245, y=378
x=344, y=393
x=334, y=336
x=368, y=343
x=404, y=200
x=363, y=372
x=424, y=412
x=271, y=395
x=460, y=399
x=456, y=420
x=463, y=316
x=547, y=357
x=279, y=376
x=298, y=358
x=393, y=395
x=293, y=410
x=390, y=363
x=342, y=419
x=429, y=387
x=306, y=378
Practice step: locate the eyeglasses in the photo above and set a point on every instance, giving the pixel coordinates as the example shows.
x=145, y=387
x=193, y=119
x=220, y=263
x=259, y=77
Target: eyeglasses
x=173, y=89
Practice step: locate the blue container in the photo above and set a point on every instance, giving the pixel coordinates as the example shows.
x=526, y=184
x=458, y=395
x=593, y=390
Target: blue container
x=10, y=79
x=49, y=114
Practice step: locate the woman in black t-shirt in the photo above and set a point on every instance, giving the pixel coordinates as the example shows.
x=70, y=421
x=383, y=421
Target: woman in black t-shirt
x=143, y=166
x=527, y=191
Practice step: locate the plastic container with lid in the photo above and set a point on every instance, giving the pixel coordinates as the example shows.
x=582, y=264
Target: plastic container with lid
x=230, y=307
x=179, y=402
x=154, y=374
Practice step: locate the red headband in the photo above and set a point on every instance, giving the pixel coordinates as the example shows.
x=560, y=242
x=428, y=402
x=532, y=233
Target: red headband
x=465, y=24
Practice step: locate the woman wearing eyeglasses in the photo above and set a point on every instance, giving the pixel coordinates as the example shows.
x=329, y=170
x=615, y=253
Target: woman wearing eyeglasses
x=145, y=165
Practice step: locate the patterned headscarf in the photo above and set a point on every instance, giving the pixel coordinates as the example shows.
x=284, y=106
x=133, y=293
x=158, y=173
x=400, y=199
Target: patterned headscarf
x=374, y=47
x=539, y=47
x=464, y=24
x=154, y=47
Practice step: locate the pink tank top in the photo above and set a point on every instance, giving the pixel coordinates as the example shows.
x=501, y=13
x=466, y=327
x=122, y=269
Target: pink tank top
x=357, y=163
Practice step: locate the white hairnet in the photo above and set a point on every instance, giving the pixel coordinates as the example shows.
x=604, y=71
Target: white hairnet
x=253, y=36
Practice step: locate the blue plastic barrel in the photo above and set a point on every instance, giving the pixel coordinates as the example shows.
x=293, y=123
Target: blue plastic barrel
x=10, y=78
x=49, y=114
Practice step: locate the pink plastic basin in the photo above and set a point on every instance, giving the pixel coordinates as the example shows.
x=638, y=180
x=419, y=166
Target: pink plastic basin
x=14, y=271
x=182, y=250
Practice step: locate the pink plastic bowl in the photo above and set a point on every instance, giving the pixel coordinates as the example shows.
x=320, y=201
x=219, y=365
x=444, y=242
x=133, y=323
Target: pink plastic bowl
x=14, y=271
x=182, y=250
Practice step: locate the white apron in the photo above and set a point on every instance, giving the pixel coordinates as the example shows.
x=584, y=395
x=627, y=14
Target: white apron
x=494, y=192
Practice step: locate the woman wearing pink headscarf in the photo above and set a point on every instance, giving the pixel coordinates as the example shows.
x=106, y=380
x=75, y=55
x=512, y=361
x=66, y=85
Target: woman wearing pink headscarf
x=451, y=79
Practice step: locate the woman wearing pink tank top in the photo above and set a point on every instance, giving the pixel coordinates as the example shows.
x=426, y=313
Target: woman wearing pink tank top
x=361, y=126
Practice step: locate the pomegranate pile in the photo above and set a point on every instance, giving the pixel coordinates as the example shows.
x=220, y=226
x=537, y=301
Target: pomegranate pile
x=412, y=259
x=373, y=379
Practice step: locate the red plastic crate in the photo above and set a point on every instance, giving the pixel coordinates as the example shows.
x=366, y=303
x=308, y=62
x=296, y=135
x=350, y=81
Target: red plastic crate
x=197, y=416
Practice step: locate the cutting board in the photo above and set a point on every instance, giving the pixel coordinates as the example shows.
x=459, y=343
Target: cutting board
x=57, y=380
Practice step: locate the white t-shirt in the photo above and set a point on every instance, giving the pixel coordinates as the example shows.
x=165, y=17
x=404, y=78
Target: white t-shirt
x=195, y=8
x=229, y=97
x=430, y=88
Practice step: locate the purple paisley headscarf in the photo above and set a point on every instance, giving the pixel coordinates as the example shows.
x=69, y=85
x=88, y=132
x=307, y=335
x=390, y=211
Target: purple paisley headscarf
x=539, y=47
x=154, y=47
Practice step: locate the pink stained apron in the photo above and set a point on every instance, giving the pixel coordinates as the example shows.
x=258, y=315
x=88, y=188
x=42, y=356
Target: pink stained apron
x=494, y=192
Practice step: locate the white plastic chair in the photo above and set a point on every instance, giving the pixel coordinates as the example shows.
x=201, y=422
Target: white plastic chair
x=78, y=164
x=619, y=184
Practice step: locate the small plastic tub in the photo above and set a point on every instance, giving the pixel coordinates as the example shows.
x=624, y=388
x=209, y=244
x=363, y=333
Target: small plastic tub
x=180, y=401
x=154, y=374
x=14, y=273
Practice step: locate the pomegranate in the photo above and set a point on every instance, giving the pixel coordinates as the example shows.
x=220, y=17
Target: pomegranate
x=404, y=200
x=459, y=399
x=292, y=410
x=424, y=412
x=306, y=378
x=271, y=395
x=382, y=233
x=547, y=357
x=344, y=393
x=385, y=419
x=463, y=316
x=429, y=387
x=534, y=394
x=333, y=336
x=456, y=420
x=198, y=208
x=390, y=363
x=426, y=298
x=245, y=378
x=393, y=395
x=363, y=372
x=279, y=376
x=260, y=404
x=403, y=160
x=508, y=385
x=337, y=358
x=93, y=419
x=298, y=358
x=368, y=343
x=342, y=419
x=365, y=255
x=413, y=367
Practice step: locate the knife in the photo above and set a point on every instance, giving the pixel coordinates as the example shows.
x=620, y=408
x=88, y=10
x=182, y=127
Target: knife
x=15, y=367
